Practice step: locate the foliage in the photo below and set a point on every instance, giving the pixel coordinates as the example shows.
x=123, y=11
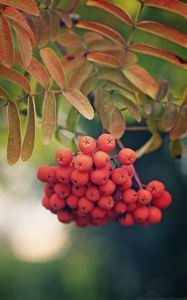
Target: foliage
x=96, y=71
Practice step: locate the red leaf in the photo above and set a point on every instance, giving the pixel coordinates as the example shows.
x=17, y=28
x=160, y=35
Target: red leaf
x=103, y=30
x=142, y=80
x=73, y=60
x=80, y=75
x=6, y=43
x=4, y=94
x=113, y=9
x=69, y=40
x=29, y=7
x=24, y=45
x=175, y=6
x=53, y=65
x=15, y=77
x=164, y=31
x=16, y=16
x=103, y=59
x=150, y=50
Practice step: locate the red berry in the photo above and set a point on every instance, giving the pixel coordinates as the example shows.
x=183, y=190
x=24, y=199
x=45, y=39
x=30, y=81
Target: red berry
x=100, y=222
x=112, y=215
x=97, y=213
x=109, y=168
x=144, y=197
x=127, y=220
x=127, y=184
x=106, y=202
x=164, y=201
x=47, y=174
x=79, y=178
x=82, y=221
x=141, y=214
x=127, y=156
x=92, y=194
x=63, y=174
x=85, y=205
x=120, y=176
x=64, y=157
x=100, y=159
x=45, y=202
x=130, y=196
x=107, y=188
x=63, y=190
x=65, y=216
x=83, y=162
x=132, y=206
x=106, y=142
x=56, y=202
x=130, y=170
x=72, y=201
x=99, y=176
x=49, y=189
x=155, y=215
x=156, y=188
x=120, y=208
x=79, y=191
x=87, y=144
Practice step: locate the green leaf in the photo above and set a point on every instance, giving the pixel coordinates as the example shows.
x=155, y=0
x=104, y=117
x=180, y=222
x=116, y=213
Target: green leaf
x=74, y=146
x=80, y=102
x=129, y=104
x=153, y=144
x=158, y=110
x=14, y=133
x=163, y=90
x=48, y=117
x=180, y=128
x=28, y=143
x=139, y=77
x=6, y=43
x=4, y=94
x=169, y=117
x=72, y=119
x=113, y=9
x=175, y=149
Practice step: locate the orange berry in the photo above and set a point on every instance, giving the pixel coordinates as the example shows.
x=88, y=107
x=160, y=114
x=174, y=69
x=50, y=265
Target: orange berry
x=97, y=213
x=65, y=216
x=63, y=174
x=85, y=205
x=130, y=196
x=99, y=176
x=120, y=208
x=155, y=215
x=156, y=188
x=56, y=202
x=79, y=178
x=92, y=194
x=49, y=189
x=164, y=201
x=79, y=191
x=120, y=176
x=100, y=222
x=87, y=144
x=130, y=170
x=127, y=220
x=106, y=142
x=107, y=188
x=141, y=214
x=64, y=157
x=132, y=206
x=127, y=184
x=112, y=215
x=83, y=162
x=106, y=202
x=144, y=197
x=72, y=201
x=109, y=168
x=100, y=159
x=63, y=190
x=45, y=202
x=127, y=156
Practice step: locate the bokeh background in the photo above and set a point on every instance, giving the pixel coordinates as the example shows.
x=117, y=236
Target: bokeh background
x=42, y=259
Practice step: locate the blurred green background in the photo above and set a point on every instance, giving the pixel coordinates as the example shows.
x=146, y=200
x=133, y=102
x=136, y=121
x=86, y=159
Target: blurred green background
x=42, y=259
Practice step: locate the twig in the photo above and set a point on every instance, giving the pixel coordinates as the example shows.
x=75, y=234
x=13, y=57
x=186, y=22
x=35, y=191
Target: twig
x=56, y=92
x=4, y=105
x=137, y=128
x=73, y=6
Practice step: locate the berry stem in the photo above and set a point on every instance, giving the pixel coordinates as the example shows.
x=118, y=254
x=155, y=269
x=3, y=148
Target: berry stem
x=136, y=176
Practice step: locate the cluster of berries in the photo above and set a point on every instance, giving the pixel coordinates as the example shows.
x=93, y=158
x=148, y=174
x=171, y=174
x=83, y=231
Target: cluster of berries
x=92, y=188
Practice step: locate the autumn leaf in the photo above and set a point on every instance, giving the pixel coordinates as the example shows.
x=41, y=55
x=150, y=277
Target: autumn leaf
x=129, y=105
x=169, y=117
x=15, y=77
x=53, y=65
x=24, y=45
x=175, y=6
x=80, y=75
x=29, y=7
x=28, y=143
x=14, y=133
x=163, y=54
x=180, y=128
x=4, y=94
x=103, y=30
x=117, y=124
x=163, y=90
x=6, y=43
x=69, y=40
x=103, y=59
x=142, y=80
x=80, y=102
x=48, y=117
x=175, y=149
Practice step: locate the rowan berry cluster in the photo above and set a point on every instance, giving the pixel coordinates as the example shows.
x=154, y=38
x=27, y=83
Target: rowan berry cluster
x=91, y=187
